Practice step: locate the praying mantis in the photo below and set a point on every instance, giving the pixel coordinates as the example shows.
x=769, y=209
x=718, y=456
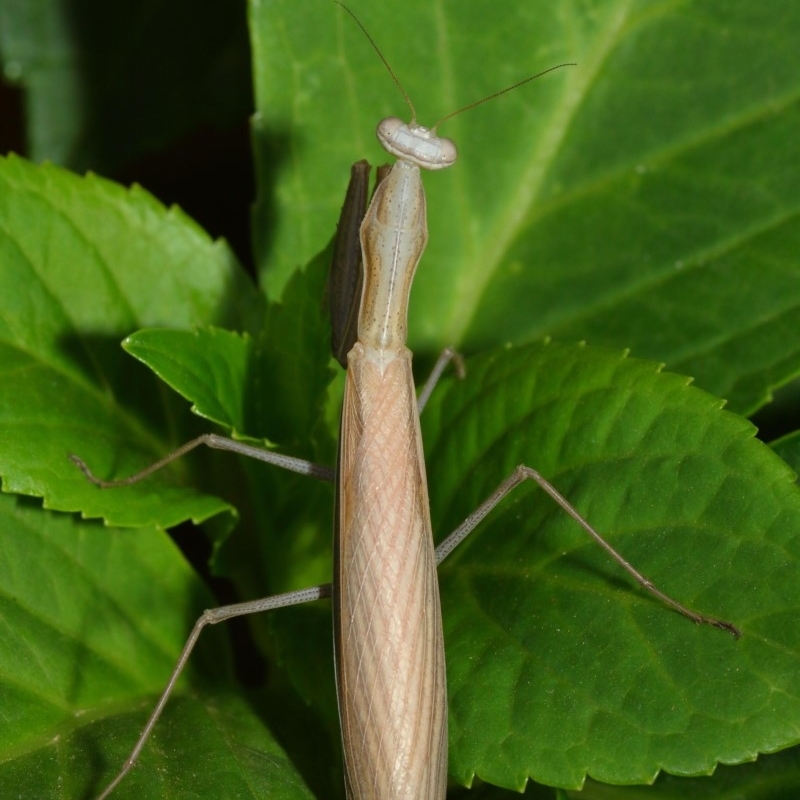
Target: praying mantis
x=520, y=598
x=389, y=644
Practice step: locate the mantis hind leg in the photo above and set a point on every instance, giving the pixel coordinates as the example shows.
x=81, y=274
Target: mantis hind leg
x=523, y=473
x=211, y=617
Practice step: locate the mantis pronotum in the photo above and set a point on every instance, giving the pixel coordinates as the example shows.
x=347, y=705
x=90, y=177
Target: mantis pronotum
x=388, y=634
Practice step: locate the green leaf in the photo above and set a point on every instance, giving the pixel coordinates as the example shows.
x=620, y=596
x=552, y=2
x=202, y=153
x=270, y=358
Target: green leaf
x=536, y=611
x=772, y=777
x=293, y=351
x=104, y=87
x=207, y=367
x=644, y=198
x=228, y=377
x=84, y=263
x=788, y=448
x=92, y=622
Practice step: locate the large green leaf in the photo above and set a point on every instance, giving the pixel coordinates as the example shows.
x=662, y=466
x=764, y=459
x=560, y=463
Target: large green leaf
x=92, y=621
x=645, y=198
x=535, y=611
x=84, y=263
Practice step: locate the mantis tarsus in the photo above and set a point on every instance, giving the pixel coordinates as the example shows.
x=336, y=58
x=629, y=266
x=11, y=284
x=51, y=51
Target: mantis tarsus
x=388, y=633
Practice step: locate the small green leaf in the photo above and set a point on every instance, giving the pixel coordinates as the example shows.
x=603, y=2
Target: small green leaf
x=207, y=367
x=293, y=352
x=230, y=379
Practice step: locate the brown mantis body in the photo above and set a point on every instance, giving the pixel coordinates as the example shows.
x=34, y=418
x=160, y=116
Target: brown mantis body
x=388, y=626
